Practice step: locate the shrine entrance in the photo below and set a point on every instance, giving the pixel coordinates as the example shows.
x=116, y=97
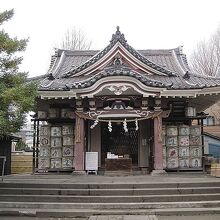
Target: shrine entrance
x=118, y=142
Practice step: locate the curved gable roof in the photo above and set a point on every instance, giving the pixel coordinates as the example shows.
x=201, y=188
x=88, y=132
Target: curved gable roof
x=69, y=69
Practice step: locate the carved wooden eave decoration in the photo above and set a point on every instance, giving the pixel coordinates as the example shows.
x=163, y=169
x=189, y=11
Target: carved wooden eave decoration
x=105, y=115
x=119, y=85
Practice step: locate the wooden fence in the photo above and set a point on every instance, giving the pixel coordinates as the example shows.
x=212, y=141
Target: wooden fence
x=21, y=162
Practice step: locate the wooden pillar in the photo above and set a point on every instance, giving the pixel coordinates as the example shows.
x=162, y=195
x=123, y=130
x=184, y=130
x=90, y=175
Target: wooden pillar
x=158, y=147
x=79, y=144
x=34, y=149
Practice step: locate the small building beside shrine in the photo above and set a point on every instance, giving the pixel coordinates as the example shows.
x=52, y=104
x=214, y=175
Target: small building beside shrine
x=138, y=109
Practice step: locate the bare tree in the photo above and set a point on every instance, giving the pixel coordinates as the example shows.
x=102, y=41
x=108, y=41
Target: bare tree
x=205, y=59
x=75, y=39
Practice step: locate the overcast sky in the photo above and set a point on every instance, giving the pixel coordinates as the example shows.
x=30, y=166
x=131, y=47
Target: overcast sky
x=146, y=24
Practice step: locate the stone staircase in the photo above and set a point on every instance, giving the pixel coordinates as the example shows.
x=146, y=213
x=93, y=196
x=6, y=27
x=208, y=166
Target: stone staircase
x=83, y=200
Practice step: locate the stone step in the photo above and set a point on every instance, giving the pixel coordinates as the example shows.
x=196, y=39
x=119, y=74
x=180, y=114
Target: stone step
x=72, y=199
x=110, y=185
x=110, y=206
x=68, y=213
x=124, y=217
x=106, y=192
x=110, y=199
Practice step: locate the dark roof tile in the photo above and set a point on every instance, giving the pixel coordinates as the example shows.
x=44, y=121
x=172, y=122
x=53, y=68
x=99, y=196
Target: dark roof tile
x=171, y=62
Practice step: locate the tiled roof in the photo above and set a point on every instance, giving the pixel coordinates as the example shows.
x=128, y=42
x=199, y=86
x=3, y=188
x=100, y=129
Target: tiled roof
x=212, y=131
x=171, y=63
x=214, y=110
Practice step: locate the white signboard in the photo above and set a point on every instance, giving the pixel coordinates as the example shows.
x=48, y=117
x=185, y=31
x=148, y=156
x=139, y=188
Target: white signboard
x=91, y=161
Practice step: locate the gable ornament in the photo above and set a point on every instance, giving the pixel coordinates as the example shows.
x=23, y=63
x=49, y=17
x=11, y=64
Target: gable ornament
x=118, y=89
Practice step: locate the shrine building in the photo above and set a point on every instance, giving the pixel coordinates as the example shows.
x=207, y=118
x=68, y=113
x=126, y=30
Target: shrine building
x=137, y=110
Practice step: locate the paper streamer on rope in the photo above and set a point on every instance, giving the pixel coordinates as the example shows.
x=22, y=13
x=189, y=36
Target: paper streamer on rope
x=136, y=124
x=94, y=124
x=153, y=115
x=125, y=125
x=110, y=126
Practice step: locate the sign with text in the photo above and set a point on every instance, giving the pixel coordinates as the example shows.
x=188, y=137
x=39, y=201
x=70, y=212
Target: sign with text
x=91, y=160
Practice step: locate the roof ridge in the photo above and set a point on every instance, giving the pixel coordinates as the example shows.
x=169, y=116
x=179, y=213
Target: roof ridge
x=156, y=50
x=52, y=63
x=98, y=50
x=182, y=69
x=58, y=66
x=78, y=52
x=182, y=56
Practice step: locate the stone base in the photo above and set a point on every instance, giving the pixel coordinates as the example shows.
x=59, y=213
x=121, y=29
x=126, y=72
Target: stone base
x=79, y=172
x=159, y=173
